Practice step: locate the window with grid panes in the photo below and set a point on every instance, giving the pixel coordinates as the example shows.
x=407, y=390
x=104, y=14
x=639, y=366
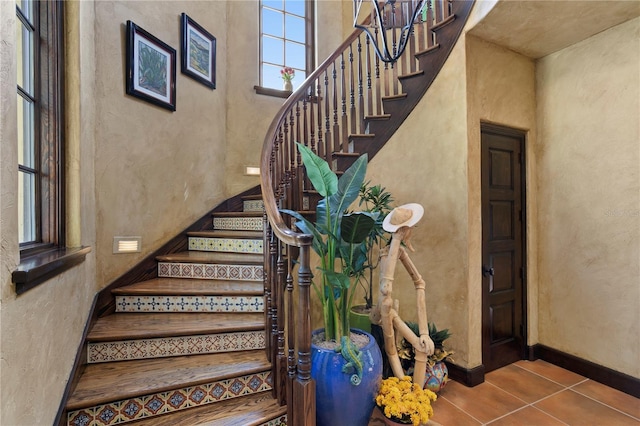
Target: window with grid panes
x=286, y=40
x=40, y=125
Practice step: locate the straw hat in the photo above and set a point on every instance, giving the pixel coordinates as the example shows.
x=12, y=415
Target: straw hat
x=405, y=215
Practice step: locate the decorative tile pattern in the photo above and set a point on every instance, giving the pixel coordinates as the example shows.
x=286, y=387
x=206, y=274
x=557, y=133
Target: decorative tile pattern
x=238, y=223
x=232, y=245
x=189, y=304
x=210, y=271
x=174, y=346
x=166, y=402
x=252, y=205
x=278, y=421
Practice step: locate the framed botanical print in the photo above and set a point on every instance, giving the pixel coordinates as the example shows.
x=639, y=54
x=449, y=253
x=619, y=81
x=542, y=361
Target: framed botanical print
x=150, y=67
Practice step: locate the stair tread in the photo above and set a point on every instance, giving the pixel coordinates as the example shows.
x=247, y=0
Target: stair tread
x=129, y=326
x=252, y=197
x=212, y=257
x=227, y=234
x=249, y=410
x=346, y=154
x=428, y=50
x=238, y=214
x=378, y=117
x=114, y=381
x=418, y=73
x=191, y=287
x=399, y=97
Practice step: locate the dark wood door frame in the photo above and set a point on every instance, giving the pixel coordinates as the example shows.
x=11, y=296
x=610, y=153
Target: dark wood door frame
x=504, y=301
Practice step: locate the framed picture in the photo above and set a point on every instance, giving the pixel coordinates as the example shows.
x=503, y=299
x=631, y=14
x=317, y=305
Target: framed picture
x=198, y=52
x=151, y=68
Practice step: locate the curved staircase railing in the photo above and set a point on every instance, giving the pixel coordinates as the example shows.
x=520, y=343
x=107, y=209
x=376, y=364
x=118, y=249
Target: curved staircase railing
x=349, y=105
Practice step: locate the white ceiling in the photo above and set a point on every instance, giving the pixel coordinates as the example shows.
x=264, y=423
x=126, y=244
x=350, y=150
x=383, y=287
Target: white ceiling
x=537, y=28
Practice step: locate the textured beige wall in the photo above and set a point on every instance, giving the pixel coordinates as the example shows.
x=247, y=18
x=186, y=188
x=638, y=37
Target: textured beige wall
x=331, y=30
x=249, y=114
x=156, y=171
x=589, y=198
x=501, y=90
x=443, y=171
x=426, y=162
x=41, y=329
x=156, y=166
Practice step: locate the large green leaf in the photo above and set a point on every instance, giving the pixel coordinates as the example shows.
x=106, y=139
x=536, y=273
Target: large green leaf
x=349, y=186
x=324, y=217
x=354, y=256
x=338, y=280
x=323, y=179
x=308, y=228
x=355, y=227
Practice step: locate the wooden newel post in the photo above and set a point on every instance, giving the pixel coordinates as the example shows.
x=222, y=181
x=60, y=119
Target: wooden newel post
x=303, y=412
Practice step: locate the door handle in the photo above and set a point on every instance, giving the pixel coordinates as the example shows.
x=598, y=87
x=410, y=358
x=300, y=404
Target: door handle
x=487, y=271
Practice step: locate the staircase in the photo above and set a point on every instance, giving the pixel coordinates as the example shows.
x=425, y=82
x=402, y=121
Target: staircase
x=187, y=347
x=210, y=332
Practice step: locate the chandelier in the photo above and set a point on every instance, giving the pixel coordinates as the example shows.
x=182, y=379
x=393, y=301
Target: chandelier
x=390, y=25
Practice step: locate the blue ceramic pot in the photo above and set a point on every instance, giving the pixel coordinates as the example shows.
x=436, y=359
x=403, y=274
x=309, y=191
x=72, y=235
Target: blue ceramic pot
x=338, y=401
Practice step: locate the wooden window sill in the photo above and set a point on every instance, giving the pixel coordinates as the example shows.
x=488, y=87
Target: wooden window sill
x=38, y=268
x=272, y=92
x=282, y=93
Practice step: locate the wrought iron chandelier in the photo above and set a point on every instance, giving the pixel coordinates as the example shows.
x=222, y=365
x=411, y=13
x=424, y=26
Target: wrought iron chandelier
x=391, y=22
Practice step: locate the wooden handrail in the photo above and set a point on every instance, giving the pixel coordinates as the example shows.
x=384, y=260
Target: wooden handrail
x=273, y=214
x=352, y=103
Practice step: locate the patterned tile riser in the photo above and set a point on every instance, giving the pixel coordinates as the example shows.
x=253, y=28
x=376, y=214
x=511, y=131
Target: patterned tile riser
x=227, y=245
x=128, y=410
x=238, y=223
x=189, y=304
x=253, y=206
x=174, y=346
x=210, y=271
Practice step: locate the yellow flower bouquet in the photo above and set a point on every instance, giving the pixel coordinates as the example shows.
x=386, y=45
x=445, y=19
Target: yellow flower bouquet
x=405, y=402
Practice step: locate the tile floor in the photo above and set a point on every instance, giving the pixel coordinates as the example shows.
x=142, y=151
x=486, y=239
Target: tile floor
x=533, y=393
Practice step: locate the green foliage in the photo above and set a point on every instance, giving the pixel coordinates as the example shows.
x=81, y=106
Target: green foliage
x=407, y=354
x=319, y=173
x=340, y=238
x=438, y=336
x=377, y=201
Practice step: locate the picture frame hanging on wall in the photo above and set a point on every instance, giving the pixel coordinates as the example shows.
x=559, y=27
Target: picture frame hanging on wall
x=151, y=68
x=198, y=56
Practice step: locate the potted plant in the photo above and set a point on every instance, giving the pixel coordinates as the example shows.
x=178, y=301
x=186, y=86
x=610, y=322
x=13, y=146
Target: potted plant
x=404, y=402
x=437, y=373
x=346, y=375
x=287, y=74
x=373, y=199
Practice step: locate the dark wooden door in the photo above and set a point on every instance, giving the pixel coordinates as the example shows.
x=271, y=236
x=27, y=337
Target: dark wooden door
x=503, y=234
